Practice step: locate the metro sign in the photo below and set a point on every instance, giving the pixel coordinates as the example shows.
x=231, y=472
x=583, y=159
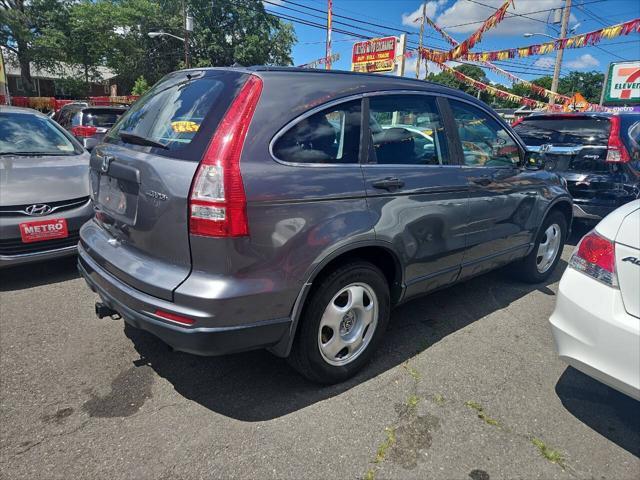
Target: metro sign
x=623, y=84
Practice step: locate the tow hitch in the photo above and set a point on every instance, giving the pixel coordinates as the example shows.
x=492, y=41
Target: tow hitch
x=103, y=310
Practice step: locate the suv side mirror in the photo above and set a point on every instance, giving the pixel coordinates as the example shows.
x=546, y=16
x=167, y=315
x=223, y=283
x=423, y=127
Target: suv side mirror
x=533, y=160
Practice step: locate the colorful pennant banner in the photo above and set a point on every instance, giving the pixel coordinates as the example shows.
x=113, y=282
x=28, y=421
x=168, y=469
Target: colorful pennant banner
x=543, y=92
x=533, y=87
x=577, y=41
x=483, y=87
x=321, y=61
x=463, y=48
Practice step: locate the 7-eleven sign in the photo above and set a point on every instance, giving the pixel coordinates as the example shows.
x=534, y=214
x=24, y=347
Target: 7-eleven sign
x=623, y=85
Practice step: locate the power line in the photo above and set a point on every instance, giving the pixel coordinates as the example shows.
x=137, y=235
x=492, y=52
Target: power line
x=509, y=15
x=513, y=14
x=322, y=17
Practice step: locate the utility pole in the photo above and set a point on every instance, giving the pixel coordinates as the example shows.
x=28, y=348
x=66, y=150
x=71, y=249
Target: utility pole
x=327, y=54
x=563, y=33
x=402, y=46
x=424, y=15
x=188, y=27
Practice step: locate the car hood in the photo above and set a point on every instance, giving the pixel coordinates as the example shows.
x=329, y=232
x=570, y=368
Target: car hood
x=41, y=179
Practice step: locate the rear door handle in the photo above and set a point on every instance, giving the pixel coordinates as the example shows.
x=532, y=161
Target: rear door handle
x=388, y=183
x=484, y=181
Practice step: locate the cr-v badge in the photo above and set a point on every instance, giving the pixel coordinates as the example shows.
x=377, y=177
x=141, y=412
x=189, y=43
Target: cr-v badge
x=156, y=195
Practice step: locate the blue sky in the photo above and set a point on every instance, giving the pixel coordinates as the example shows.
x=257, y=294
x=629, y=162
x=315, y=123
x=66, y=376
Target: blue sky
x=457, y=17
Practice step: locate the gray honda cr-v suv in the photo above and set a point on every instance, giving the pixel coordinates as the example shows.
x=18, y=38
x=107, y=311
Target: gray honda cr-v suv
x=292, y=209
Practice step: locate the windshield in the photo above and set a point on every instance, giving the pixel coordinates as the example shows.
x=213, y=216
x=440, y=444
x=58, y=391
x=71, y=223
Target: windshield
x=25, y=133
x=564, y=131
x=171, y=115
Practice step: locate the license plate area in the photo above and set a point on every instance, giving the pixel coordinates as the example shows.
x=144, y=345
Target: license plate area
x=119, y=198
x=43, y=230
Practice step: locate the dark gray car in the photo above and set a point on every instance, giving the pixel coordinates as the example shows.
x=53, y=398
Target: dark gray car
x=291, y=209
x=44, y=188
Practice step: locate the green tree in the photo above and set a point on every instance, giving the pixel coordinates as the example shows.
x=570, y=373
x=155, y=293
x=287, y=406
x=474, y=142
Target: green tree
x=87, y=34
x=228, y=32
x=24, y=29
x=472, y=71
x=589, y=84
x=140, y=87
x=134, y=54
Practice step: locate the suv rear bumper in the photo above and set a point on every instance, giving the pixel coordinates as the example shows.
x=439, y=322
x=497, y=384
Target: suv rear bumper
x=137, y=309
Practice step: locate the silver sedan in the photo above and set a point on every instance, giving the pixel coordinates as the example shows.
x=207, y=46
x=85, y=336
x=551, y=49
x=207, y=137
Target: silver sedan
x=44, y=188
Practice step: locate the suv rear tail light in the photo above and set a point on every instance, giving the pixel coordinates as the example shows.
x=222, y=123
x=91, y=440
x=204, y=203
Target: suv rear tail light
x=218, y=204
x=595, y=256
x=616, y=151
x=517, y=121
x=83, y=131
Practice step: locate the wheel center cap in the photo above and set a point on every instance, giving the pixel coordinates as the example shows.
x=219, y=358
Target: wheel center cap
x=348, y=321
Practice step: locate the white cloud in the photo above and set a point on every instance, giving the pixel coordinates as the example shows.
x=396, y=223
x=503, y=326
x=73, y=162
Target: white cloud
x=410, y=68
x=544, y=62
x=583, y=61
x=462, y=12
x=413, y=19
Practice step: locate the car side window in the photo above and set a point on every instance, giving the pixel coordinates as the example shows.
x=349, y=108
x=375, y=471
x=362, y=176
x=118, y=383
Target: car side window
x=407, y=130
x=484, y=141
x=330, y=136
x=76, y=119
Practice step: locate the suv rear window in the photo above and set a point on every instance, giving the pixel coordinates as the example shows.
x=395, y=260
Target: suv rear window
x=564, y=131
x=171, y=113
x=102, y=117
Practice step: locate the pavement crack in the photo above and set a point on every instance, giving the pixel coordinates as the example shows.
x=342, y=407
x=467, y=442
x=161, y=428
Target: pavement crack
x=49, y=437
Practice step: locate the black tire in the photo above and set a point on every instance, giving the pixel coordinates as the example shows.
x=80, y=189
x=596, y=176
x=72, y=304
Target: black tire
x=527, y=268
x=306, y=356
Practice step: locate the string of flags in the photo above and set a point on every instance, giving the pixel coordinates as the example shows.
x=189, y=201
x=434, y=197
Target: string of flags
x=543, y=92
x=533, y=87
x=483, y=87
x=577, y=41
x=321, y=61
x=460, y=49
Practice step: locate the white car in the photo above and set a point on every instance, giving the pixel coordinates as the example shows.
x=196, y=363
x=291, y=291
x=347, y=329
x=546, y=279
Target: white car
x=596, y=322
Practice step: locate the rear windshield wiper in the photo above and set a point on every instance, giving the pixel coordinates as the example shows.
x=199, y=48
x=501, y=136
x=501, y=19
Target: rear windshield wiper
x=136, y=139
x=32, y=154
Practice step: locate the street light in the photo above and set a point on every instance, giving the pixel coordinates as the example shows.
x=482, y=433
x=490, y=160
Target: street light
x=161, y=33
x=571, y=32
x=187, y=62
x=563, y=35
x=528, y=35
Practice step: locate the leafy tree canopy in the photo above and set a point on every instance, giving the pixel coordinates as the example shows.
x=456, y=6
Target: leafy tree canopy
x=88, y=34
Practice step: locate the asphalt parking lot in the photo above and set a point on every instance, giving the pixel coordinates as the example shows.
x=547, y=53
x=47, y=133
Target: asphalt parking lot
x=466, y=386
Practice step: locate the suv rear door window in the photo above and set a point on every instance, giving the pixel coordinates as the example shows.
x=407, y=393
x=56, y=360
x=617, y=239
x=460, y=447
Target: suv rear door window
x=171, y=113
x=564, y=131
x=484, y=141
x=329, y=136
x=406, y=129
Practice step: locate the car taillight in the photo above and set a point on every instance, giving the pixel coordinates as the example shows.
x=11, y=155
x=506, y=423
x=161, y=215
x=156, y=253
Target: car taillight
x=84, y=131
x=595, y=256
x=616, y=151
x=518, y=121
x=218, y=204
